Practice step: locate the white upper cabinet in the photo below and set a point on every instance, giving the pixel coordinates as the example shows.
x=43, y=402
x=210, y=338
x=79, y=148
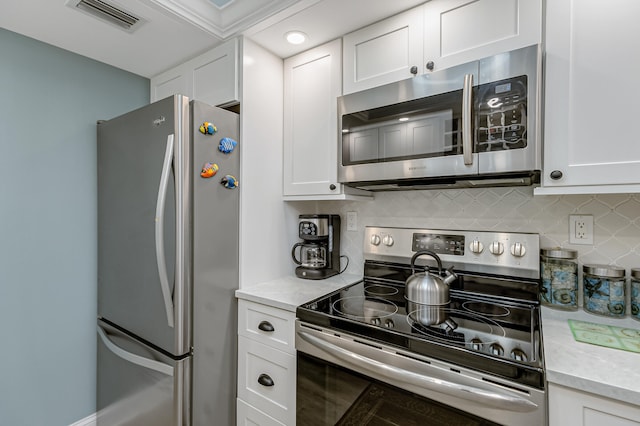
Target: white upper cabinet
x=438, y=35
x=459, y=31
x=312, y=84
x=591, y=97
x=211, y=77
x=388, y=51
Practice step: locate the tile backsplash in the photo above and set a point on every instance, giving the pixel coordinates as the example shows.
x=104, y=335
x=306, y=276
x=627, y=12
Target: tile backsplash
x=616, y=218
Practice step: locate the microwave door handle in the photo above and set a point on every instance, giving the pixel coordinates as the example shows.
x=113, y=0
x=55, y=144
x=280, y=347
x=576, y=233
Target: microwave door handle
x=467, y=136
x=159, y=230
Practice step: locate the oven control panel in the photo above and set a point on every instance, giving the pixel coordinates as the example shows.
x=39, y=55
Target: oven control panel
x=505, y=253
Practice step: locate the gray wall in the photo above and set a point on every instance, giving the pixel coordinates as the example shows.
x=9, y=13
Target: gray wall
x=50, y=100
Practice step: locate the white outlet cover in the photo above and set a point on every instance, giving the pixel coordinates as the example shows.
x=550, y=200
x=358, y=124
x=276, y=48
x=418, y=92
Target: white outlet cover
x=581, y=229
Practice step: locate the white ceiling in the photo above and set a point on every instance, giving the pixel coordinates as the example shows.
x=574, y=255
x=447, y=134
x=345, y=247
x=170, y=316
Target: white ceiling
x=177, y=30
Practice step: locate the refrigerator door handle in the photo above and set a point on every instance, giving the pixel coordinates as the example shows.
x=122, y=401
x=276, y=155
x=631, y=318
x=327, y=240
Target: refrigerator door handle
x=159, y=230
x=133, y=358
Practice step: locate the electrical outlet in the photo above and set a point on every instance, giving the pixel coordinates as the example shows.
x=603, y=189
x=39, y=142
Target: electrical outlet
x=352, y=221
x=581, y=229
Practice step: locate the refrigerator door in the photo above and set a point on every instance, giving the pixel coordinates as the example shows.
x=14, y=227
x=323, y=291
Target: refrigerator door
x=138, y=385
x=215, y=274
x=144, y=211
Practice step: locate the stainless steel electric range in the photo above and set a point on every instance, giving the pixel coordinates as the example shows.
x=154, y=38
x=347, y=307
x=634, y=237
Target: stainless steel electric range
x=363, y=359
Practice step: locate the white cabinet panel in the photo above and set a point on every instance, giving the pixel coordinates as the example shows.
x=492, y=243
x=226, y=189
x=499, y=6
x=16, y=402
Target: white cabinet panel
x=384, y=52
x=312, y=84
x=570, y=407
x=591, y=97
x=169, y=84
x=267, y=379
x=249, y=416
x=267, y=325
x=438, y=35
x=211, y=77
x=459, y=31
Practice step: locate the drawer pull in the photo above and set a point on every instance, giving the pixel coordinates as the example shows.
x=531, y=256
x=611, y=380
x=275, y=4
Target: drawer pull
x=266, y=326
x=265, y=380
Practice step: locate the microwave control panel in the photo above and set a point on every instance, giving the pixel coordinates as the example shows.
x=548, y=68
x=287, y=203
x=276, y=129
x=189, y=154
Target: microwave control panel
x=502, y=115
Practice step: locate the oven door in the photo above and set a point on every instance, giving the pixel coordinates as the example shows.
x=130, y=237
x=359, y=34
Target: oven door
x=343, y=380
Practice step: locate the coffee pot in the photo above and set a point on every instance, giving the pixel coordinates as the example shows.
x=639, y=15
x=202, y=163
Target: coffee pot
x=320, y=246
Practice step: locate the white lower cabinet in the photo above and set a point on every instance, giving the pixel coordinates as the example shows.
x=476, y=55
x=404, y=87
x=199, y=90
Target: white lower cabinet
x=570, y=407
x=266, y=365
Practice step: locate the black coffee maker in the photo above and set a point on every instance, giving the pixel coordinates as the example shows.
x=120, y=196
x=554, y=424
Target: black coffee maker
x=320, y=246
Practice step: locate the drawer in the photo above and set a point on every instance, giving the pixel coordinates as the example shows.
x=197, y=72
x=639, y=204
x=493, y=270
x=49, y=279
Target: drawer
x=268, y=325
x=250, y=416
x=267, y=379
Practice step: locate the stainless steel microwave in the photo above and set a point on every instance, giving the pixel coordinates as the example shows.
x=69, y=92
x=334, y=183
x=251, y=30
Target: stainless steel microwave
x=475, y=124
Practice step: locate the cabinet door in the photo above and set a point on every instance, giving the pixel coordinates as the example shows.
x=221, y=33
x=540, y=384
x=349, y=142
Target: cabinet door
x=211, y=77
x=311, y=87
x=591, y=95
x=176, y=81
x=569, y=407
x=383, y=52
x=215, y=75
x=459, y=31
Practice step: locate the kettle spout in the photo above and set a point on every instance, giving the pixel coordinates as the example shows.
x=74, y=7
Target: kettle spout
x=450, y=276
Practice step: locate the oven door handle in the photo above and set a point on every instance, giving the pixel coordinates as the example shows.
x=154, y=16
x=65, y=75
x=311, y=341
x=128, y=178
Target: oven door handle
x=471, y=393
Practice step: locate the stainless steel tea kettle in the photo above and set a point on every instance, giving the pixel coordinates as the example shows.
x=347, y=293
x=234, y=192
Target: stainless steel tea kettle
x=427, y=293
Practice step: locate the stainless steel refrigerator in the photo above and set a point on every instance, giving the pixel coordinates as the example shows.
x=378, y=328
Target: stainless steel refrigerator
x=167, y=265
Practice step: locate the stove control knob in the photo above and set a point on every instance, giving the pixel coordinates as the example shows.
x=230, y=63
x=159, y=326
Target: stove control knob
x=375, y=321
x=476, y=344
x=389, y=323
x=518, y=250
x=496, y=248
x=519, y=355
x=496, y=349
x=375, y=239
x=476, y=247
x=387, y=240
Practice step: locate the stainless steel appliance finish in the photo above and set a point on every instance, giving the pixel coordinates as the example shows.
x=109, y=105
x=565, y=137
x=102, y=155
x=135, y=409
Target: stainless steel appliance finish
x=484, y=359
x=475, y=124
x=167, y=267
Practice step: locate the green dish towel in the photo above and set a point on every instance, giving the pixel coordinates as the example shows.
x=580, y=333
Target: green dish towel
x=627, y=339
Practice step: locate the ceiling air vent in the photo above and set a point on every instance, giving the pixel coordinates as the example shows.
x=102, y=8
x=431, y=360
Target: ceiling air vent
x=108, y=12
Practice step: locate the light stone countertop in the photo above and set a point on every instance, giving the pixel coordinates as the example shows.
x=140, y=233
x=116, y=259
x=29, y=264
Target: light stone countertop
x=290, y=292
x=599, y=370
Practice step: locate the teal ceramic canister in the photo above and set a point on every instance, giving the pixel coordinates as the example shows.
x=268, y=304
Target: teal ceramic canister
x=559, y=273
x=604, y=290
x=635, y=293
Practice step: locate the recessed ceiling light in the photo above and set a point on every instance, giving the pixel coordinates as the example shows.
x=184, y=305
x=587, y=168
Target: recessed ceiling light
x=296, y=37
x=403, y=119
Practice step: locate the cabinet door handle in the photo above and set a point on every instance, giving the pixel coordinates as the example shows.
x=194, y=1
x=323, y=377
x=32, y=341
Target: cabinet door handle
x=430, y=65
x=414, y=70
x=265, y=380
x=555, y=175
x=266, y=326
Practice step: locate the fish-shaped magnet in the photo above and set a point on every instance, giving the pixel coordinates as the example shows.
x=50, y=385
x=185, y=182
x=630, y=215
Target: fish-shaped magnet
x=208, y=170
x=208, y=128
x=227, y=145
x=229, y=182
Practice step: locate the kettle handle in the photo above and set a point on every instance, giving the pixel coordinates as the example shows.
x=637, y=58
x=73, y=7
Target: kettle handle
x=429, y=253
x=293, y=253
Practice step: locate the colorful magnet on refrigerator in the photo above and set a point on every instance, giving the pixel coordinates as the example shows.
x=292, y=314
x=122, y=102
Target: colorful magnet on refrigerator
x=208, y=170
x=229, y=182
x=208, y=128
x=227, y=145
